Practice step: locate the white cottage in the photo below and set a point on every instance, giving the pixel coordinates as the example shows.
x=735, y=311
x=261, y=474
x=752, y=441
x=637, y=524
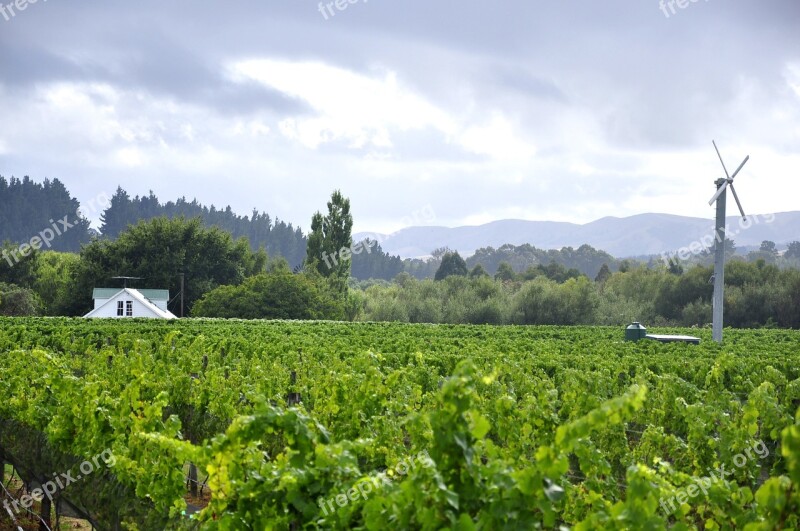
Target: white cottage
x=116, y=303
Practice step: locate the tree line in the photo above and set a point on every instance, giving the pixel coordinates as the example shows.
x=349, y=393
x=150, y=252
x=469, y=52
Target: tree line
x=225, y=276
x=757, y=294
x=28, y=208
x=275, y=236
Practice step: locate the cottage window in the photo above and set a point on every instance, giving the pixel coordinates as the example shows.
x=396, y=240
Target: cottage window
x=119, y=309
x=128, y=308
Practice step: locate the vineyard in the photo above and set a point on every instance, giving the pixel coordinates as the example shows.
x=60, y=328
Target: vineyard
x=323, y=425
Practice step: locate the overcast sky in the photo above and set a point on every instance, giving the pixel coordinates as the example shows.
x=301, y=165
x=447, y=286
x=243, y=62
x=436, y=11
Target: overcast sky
x=469, y=111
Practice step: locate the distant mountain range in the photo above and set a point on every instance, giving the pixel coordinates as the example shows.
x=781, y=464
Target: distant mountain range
x=634, y=236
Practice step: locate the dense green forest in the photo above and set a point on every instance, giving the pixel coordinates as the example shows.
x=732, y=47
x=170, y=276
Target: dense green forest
x=27, y=205
x=236, y=267
x=29, y=210
x=274, y=235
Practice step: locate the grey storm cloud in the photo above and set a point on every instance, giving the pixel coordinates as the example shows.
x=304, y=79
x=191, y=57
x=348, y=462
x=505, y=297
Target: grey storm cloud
x=165, y=95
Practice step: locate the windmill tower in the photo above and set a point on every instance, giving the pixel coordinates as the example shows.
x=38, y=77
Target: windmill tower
x=719, y=255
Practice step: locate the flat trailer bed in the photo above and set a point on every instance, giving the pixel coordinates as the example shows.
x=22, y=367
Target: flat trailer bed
x=674, y=339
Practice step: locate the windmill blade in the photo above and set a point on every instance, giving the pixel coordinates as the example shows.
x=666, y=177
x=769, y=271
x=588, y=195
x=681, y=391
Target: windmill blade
x=720, y=191
x=730, y=181
x=738, y=202
x=720, y=159
x=732, y=177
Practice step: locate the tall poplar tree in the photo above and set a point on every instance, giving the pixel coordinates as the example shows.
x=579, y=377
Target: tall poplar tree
x=330, y=241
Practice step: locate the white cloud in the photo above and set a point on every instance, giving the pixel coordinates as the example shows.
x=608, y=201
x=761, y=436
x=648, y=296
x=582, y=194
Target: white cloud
x=364, y=110
x=130, y=157
x=353, y=107
x=498, y=139
x=485, y=118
